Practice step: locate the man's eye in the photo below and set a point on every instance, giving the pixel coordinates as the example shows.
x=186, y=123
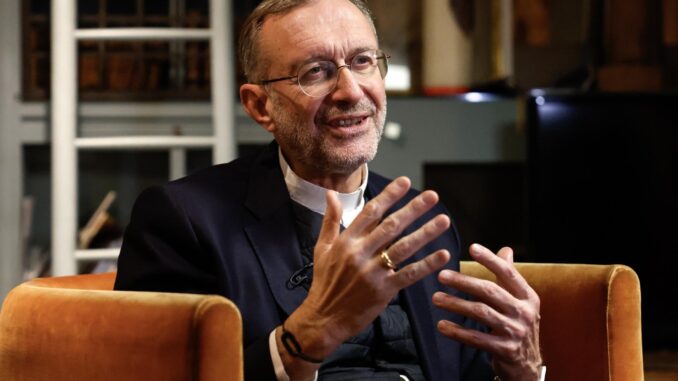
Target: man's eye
x=315, y=72
x=362, y=61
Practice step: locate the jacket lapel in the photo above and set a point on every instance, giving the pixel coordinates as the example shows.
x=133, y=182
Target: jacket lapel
x=273, y=236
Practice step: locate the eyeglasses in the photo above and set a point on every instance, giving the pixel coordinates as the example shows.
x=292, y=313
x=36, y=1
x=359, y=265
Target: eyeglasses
x=319, y=78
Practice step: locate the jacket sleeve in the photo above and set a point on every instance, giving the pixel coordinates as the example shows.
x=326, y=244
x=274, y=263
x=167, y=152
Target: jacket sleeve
x=161, y=252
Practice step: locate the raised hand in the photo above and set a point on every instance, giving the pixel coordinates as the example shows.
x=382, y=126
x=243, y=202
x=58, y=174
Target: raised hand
x=510, y=308
x=351, y=283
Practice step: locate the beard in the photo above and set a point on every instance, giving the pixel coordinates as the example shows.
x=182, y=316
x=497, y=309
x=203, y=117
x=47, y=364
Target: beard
x=316, y=149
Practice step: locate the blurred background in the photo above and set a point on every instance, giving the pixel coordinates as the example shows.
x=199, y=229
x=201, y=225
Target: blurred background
x=545, y=125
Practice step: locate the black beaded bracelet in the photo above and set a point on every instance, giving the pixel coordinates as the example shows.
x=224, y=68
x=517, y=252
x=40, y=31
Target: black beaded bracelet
x=292, y=345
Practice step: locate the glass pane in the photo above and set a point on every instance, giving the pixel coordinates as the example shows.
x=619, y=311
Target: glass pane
x=199, y=6
x=197, y=65
x=113, y=21
x=121, y=7
x=156, y=7
x=39, y=36
x=39, y=7
x=88, y=7
x=39, y=74
x=196, y=14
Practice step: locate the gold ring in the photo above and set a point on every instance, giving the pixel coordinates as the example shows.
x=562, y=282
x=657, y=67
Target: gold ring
x=386, y=260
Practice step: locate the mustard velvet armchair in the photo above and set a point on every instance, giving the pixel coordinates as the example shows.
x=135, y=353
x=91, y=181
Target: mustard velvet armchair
x=75, y=328
x=590, y=319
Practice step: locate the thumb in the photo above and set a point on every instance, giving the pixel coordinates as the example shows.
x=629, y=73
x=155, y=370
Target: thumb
x=329, y=231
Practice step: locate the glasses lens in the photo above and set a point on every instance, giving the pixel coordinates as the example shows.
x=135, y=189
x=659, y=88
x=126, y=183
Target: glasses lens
x=318, y=78
x=382, y=63
x=364, y=63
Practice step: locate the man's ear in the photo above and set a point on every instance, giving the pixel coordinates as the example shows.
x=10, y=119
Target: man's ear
x=254, y=100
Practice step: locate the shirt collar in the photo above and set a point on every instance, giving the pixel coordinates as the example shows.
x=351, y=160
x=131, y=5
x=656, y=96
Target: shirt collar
x=313, y=196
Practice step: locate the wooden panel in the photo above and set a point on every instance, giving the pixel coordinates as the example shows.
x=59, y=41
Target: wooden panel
x=631, y=33
x=630, y=78
x=670, y=22
x=532, y=22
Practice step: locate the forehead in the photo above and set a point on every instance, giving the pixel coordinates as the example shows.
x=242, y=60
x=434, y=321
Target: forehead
x=324, y=28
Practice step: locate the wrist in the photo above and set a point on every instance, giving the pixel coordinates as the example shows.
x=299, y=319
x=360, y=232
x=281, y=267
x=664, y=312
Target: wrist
x=537, y=373
x=294, y=367
x=307, y=336
x=317, y=334
x=304, y=339
x=293, y=347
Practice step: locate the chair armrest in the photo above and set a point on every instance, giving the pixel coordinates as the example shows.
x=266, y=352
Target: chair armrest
x=56, y=333
x=103, y=281
x=590, y=319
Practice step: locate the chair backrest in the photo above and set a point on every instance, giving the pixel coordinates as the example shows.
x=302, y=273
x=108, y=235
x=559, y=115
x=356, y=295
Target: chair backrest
x=590, y=319
x=76, y=328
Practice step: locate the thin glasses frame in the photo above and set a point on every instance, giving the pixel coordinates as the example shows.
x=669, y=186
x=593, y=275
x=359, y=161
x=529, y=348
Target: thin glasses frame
x=378, y=55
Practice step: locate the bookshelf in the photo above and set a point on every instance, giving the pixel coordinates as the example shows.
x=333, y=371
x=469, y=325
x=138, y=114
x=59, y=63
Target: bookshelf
x=118, y=42
x=122, y=70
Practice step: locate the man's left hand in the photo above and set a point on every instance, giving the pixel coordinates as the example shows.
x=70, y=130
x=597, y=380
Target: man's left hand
x=509, y=308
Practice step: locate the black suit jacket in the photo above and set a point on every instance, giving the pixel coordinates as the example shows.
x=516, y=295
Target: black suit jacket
x=229, y=230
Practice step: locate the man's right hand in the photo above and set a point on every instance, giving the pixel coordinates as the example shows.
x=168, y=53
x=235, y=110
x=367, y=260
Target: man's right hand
x=351, y=284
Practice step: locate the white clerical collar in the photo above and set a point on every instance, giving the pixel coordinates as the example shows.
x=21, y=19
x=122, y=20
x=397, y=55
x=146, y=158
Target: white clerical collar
x=314, y=197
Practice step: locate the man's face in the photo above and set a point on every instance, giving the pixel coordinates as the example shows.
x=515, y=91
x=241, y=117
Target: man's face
x=340, y=131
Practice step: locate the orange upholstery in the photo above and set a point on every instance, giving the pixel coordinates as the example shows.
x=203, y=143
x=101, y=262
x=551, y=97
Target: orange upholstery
x=590, y=319
x=76, y=328
x=73, y=328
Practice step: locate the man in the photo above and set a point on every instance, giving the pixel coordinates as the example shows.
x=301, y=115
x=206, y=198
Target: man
x=328, y=284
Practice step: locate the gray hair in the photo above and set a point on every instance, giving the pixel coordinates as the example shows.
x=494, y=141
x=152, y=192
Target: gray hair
x=248, y=43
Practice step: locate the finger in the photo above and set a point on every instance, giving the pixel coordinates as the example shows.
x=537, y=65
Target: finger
x=416, y=271
x=329, y=231
x=481, y=340
x=506, y=253
x=375, y=208
x=410, y=244
x=391, y=227
x=506, y=273
x=483, y=290
x=477, y=311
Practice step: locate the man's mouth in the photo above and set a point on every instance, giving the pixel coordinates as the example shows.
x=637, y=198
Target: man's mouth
x=348, y=122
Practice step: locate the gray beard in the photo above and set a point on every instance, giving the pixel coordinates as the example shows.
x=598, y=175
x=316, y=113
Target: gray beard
x=315, y=152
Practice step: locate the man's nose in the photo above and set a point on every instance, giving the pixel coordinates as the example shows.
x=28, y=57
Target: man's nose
x=348, y=88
